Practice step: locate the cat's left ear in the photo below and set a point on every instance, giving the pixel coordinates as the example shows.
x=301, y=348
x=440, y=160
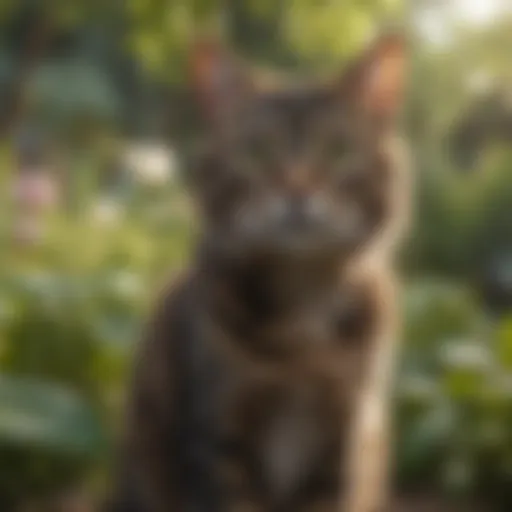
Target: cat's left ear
x=220, y=81
x=376, y=81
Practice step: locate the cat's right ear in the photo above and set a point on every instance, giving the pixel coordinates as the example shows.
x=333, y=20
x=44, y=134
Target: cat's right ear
x=376, y=80
x=218, y=79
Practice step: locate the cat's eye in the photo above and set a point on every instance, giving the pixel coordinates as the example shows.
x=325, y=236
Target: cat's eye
x=338, y=156
x=256, y=154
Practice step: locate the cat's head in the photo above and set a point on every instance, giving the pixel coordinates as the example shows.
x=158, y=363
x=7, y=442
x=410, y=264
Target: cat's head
x=301, y=169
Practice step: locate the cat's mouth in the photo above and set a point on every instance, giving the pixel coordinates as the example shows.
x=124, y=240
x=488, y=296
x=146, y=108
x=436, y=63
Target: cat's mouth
x=303, y=229
x=297, y=241
x=309, y=241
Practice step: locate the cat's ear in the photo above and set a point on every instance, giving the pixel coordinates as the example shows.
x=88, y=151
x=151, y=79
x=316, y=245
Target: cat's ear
x=218, y=79
x=376, y=81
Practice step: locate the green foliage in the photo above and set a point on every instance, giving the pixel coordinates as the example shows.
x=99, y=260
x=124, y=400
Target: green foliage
x=72, y=304
x=49, y=436
x=335, y=29
x=33, y=413
x=454, y=396
x=71, y=307
x=463, y=220
x=68, y=95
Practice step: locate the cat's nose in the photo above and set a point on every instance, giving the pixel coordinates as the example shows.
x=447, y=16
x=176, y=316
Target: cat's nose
x=306, y=209
x=298, y=211
x=297, y=180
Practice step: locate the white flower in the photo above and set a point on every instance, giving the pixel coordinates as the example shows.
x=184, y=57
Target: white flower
x=466, y=354
x=107, y=211
x=152, y=164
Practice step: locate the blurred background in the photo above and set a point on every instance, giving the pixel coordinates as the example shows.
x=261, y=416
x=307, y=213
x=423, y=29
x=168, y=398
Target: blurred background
x=95, y=128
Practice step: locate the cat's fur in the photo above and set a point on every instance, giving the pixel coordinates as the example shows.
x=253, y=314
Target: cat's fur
x=262, y=384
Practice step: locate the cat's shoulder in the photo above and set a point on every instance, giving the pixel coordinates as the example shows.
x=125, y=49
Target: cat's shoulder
x=374, y=283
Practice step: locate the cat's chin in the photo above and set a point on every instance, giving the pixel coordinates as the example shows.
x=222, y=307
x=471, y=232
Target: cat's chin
x=295, y=247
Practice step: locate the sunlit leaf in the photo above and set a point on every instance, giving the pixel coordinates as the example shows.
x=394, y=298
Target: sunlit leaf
x=37, y=414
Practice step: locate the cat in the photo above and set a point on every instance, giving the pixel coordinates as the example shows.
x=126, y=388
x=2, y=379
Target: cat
x=263, y=381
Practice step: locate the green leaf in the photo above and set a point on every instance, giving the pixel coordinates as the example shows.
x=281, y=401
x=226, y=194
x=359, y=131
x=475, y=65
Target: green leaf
x=436, y=312
x=425, y=437
x=37, y=414
x=504, y=343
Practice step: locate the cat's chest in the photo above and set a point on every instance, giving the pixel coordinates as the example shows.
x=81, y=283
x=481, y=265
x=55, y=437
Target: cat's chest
x=310, y=331
x=286, y=430
x=284, y=410
x=321, y=347
x=297, y=439
x=312, y=326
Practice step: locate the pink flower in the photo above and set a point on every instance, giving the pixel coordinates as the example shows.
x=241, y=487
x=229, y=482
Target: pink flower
x=35, y=190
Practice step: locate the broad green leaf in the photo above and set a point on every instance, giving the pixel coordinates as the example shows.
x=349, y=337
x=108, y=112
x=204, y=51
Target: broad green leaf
x=38, y=414
x=425, y=437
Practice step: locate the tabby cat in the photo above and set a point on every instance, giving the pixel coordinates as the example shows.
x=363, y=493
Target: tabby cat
x=262, y=383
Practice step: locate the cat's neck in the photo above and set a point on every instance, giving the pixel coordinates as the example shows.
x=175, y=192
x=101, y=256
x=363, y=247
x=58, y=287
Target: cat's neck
x=273, y=306
x=277, y=283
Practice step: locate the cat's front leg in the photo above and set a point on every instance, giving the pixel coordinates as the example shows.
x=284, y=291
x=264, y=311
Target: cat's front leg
x=368, y=482
x=368, y=464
